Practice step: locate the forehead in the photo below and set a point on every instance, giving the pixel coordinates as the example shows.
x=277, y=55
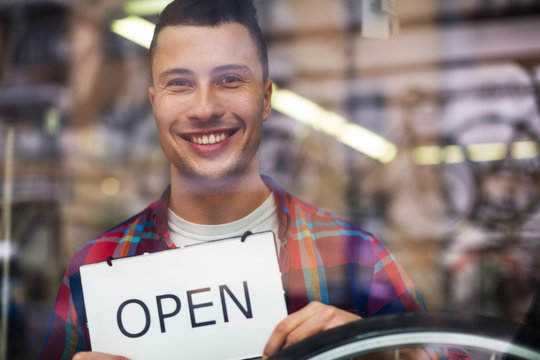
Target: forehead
x=210, y=45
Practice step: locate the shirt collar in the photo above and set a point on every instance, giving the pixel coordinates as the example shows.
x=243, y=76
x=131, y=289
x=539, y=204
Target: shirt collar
x=161, y=207
x=160, y=217
x=282, y=205
x=282, y=201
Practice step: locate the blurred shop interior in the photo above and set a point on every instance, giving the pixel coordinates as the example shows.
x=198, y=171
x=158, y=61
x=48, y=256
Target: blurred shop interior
x=418, y=120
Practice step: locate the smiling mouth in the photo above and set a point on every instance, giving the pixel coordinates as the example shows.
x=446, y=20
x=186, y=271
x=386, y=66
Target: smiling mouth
x=210, y=139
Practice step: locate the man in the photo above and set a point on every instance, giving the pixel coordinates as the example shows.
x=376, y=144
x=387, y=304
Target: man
x=210, y=96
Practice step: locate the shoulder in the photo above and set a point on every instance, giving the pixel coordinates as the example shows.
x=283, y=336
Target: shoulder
x=329, y=239
x=302, y=217
x=324, y=223
x=118, y=240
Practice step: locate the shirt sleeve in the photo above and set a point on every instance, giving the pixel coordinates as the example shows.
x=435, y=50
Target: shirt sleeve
x=391, y=289
x=64, y=337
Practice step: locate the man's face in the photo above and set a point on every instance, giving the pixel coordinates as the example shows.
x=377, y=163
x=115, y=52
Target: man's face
x=209, y=100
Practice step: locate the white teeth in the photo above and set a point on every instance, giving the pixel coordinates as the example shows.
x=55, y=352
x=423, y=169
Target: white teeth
x=209, y=139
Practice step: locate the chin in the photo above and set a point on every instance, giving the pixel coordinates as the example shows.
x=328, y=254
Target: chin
x=217, y=178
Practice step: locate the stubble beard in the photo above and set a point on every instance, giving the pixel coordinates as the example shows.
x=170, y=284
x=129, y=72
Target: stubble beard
x=224, y=179
x=237, y=170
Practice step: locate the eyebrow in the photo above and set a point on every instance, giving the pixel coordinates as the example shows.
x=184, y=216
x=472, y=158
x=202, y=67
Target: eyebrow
x=175, y=71
x=234, y=67
x=217, y=70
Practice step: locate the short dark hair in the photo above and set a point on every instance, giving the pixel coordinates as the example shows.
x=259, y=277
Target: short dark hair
x=213, y=13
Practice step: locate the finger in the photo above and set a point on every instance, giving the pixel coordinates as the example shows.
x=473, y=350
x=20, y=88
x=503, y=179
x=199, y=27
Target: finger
x=285, y=326
x=340, y=317
x=320, y=321
x=97, y=356
x=327, y=317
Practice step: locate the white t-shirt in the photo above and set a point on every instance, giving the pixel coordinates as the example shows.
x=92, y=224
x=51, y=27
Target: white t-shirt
x=265, y=217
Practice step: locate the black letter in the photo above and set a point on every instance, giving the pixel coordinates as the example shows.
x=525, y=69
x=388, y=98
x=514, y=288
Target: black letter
x=191, y=307
x=119, y=318
x=247, y=312
x=160, y=309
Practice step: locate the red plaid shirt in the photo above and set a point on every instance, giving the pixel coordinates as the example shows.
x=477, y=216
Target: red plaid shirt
x=322, y=258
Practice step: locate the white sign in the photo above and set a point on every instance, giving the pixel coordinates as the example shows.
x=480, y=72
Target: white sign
x=218, y=300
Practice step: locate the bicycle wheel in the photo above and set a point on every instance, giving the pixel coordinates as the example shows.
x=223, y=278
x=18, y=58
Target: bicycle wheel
x=487, y=338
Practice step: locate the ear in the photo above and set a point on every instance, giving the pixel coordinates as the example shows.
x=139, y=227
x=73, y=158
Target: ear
x=267, y=98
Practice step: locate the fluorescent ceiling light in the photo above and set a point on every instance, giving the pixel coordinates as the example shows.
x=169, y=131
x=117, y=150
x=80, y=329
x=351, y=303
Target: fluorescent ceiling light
x=524, y=149
x=330, y=123
x=136, y=29
x=487, y=151
x=433, y=155
x=145, y=7
x=453, y=154
x=427, y=155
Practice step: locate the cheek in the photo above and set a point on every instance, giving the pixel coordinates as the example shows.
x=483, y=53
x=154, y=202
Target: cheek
x=164, y=138
x=163, y=116
x=250, y=108
x=160, y=125
x=164, y=132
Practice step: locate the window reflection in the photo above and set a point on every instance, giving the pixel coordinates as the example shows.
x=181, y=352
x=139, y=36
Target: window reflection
x=85, y=154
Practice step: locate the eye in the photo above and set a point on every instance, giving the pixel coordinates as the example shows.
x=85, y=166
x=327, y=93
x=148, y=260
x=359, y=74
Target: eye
x=178, y=84
x=230, y=80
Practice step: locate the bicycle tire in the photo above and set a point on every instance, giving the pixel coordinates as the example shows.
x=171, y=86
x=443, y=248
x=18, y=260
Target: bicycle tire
x=386, y=332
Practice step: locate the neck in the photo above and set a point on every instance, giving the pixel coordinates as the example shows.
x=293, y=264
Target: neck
x=213, y=202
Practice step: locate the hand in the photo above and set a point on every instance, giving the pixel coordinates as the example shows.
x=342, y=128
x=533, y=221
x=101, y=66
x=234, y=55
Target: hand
x=97, y=356
x=310, y=320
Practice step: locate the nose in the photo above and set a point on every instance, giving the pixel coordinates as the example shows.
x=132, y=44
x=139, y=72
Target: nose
x=205, y=105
